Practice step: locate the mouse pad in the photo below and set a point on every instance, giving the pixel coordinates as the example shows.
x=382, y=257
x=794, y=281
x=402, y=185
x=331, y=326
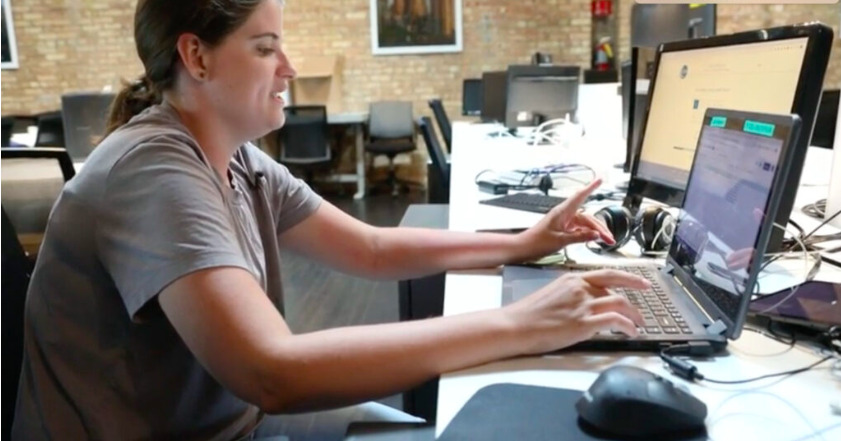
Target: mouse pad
x=515, y=411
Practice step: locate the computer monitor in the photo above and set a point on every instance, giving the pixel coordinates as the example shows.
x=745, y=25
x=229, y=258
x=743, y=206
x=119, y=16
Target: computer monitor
x=776, y=70
x=636, y=77
x=824, y=133
x=653, y=24
x=84, y=116
x=471, y=97
x=539, y=93
x=494, y=90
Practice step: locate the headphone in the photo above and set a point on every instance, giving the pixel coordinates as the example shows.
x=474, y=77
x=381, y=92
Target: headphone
x=544, y=185
x=652, y=227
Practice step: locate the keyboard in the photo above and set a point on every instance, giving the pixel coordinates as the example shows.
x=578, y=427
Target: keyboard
x=660, y=315
x=536, y=203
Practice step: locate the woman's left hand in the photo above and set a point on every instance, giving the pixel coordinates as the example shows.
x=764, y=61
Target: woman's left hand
x=565, y=224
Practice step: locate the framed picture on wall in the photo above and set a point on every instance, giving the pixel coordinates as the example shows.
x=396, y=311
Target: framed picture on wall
x=10, y=50
x=415, y=26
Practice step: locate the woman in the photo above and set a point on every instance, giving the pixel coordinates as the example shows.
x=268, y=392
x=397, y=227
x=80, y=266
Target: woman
x=154, y=311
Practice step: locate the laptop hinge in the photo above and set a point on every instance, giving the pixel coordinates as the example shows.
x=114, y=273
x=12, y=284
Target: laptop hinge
x=717, y=327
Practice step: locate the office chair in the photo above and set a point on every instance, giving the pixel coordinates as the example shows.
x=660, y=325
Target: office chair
x=439, y=160
x=391, y=131
x=303, y=140
x=8, y=126
x=50, y=130
x=16, y=272
x=443, y=122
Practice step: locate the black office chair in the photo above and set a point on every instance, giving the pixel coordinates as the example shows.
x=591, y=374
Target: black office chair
x=8, y=126
x=439, y=161
x=443, y=122
x=303, y=141
x=17, y=270
x=391, y=131
x=50, y=130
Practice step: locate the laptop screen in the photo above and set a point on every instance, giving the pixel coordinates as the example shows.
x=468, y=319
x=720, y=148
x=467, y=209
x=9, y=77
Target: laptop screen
x=727, y=197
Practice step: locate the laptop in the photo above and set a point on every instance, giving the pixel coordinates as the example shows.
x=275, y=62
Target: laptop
x=815, y=305
x=702, y=292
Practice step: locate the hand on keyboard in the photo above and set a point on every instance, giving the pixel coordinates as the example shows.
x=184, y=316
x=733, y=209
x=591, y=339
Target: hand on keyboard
x=575, y=307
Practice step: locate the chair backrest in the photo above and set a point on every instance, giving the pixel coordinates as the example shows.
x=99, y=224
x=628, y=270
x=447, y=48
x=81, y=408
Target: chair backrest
x=32, y=180
x=443, y=122
x=303, y=138
x=16, y=272
x=8, y=126
x=436, y=153
x=50, y=130
x=84, y=116
x=391, y=119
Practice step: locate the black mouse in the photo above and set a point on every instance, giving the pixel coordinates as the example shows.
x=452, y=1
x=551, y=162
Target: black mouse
x=634, y=403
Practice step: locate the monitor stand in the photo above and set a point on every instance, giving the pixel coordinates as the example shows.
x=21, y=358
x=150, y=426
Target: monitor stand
x=833, y=200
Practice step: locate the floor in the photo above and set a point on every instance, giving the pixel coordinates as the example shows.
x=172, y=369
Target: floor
x=317, y=297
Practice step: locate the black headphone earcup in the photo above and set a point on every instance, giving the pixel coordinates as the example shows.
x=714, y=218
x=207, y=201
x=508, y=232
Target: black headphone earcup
x=545, y=184
x=619, y=221
x=654, y=229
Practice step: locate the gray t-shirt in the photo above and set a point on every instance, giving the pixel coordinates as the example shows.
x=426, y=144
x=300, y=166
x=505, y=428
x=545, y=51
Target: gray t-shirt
x=101, y=360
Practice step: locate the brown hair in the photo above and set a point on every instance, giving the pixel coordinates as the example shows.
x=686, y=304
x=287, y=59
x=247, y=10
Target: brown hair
x=157, y=26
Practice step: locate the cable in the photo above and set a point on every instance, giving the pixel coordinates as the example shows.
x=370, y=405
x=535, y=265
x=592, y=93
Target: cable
x=816, y=209
x=762, y=377
x=689, y=372
x=810, y=274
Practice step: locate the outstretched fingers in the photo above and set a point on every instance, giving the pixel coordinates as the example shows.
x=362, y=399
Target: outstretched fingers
x=581, y=196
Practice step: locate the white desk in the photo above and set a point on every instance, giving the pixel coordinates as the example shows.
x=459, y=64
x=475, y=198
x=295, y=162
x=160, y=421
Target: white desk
x=791, y=408
x=354, y=120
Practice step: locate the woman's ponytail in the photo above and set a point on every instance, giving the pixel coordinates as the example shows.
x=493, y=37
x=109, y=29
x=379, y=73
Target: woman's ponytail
x=130, y=101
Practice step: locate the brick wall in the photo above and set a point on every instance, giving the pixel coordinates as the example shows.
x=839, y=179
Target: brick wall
x=68, y=45
x=71, y=45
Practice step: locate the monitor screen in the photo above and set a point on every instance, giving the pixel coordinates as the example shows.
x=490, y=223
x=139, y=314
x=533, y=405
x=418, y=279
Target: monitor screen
x=727, y=198
x=731, y=77
x=471, y=97
x=539, y=93
x=493, y=96
x=777, y=70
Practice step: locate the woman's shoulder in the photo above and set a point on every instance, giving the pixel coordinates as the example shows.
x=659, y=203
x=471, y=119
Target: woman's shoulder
x=152, y=134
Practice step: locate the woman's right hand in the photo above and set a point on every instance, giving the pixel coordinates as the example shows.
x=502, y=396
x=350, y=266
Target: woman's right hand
x=575, y=307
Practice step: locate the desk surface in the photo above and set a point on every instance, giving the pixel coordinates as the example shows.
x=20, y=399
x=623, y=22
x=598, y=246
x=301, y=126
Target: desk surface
x=789, y=408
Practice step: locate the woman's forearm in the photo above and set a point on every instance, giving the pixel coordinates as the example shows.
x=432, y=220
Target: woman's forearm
x=402, y=253
x=342, y=366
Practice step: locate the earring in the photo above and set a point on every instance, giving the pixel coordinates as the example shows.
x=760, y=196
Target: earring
x=202, y=74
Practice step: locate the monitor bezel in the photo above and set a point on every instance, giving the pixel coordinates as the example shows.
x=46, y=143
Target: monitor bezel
x=806, y=97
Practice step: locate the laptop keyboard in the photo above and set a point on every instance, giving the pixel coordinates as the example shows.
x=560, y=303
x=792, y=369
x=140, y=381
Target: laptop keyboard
x=661, y=316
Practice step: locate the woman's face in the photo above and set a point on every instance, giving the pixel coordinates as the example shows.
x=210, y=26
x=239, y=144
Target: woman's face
x=248, y=71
